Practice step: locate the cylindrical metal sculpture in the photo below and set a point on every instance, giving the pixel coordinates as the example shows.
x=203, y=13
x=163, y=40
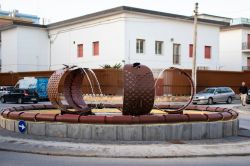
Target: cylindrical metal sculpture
x=55, y=81
x=139, y=91
x=73, y=91
x=71, y=82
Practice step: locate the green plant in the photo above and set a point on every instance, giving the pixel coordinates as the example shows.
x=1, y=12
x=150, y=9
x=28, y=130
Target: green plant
x=106, y=66
x=117, y=66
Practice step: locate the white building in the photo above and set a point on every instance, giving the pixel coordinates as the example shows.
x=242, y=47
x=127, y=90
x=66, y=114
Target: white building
x=24, y=48
x=118, y=35
x=235, y=46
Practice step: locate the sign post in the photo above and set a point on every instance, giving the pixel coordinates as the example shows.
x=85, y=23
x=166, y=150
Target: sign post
x=22, y=126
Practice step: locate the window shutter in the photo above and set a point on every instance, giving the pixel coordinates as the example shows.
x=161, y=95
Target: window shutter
x=80, y=50
x=207, y=52
x=96, y=48
x=191, y=50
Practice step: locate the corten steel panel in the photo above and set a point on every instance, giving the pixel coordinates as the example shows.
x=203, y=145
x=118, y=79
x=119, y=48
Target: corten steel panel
x=46, y=117
x=29, y=116
x=179, y=108
x=73, y=90
x=70, y=118
x=139, y=90
x=159, y=91
x=56, y=79
x=227, y=114
x=111, y=82
x=176, y=85
x=14, y=115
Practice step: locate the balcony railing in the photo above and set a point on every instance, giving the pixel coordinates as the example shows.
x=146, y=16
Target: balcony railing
x=244, y=68
x=246, y=46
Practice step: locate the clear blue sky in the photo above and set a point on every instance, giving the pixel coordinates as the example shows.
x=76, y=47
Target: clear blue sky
x=57, y=10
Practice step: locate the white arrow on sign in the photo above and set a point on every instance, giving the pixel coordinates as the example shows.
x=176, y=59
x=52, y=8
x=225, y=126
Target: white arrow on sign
x=22, y=126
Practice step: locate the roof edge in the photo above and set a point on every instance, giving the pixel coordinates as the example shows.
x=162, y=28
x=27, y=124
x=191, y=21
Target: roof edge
x=121, y=9
x=237, y=26
x=16, y=24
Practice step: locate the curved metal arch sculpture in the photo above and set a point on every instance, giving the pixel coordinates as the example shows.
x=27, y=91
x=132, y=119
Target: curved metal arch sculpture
x=182, y=108
x=55, y=81
x=73, y=91
x=71, y=82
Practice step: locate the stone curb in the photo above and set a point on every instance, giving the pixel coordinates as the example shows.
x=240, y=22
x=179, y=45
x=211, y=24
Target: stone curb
x=233, y=146
x=146, y=132
x=86, y=155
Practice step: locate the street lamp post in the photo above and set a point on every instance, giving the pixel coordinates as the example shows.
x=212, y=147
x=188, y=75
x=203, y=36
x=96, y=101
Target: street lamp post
x=194, y=68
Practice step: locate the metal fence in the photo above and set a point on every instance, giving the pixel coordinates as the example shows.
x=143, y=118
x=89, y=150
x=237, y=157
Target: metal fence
x=172, y=83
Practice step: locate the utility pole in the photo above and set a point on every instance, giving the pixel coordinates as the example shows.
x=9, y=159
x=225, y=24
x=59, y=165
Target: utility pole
x=194, y=68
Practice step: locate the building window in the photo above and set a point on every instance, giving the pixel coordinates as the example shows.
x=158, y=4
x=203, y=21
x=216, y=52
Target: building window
x=248, y=61
x=96, y=48
x=207, y=52
x=158, y=47
x=140, y=44
x=176, y=54
x=191, y=50
x=80, y=50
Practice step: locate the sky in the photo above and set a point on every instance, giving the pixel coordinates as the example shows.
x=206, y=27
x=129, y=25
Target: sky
x=57, y=10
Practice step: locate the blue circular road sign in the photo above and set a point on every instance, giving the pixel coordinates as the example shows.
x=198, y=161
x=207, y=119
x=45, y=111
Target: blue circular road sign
x=22, y=126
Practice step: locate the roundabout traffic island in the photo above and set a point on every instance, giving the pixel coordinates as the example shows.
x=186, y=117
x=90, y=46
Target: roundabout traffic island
x=135, y=120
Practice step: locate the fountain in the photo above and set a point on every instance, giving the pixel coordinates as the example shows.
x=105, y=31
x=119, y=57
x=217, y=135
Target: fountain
x=136, y=122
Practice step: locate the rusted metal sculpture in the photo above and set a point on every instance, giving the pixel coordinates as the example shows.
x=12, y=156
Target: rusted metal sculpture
x=70, y=80
x=179, y=110
x=56, y=81
x=139, y=91
x=73, y=91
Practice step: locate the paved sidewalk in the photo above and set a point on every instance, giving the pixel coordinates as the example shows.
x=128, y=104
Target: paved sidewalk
x=233, y=146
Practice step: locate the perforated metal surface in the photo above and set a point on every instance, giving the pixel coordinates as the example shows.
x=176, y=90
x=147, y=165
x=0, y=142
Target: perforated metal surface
x=139, y=91
x=55, y=81
x=73, y=90
x=71, y=81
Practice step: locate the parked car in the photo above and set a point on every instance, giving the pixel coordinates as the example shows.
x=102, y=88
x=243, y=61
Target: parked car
x=248, y=97
x=214, y=95
x=20, y=96
x=5, y=90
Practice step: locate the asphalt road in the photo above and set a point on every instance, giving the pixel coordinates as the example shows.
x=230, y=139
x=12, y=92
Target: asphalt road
x=5, y=105
x=22, y=159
